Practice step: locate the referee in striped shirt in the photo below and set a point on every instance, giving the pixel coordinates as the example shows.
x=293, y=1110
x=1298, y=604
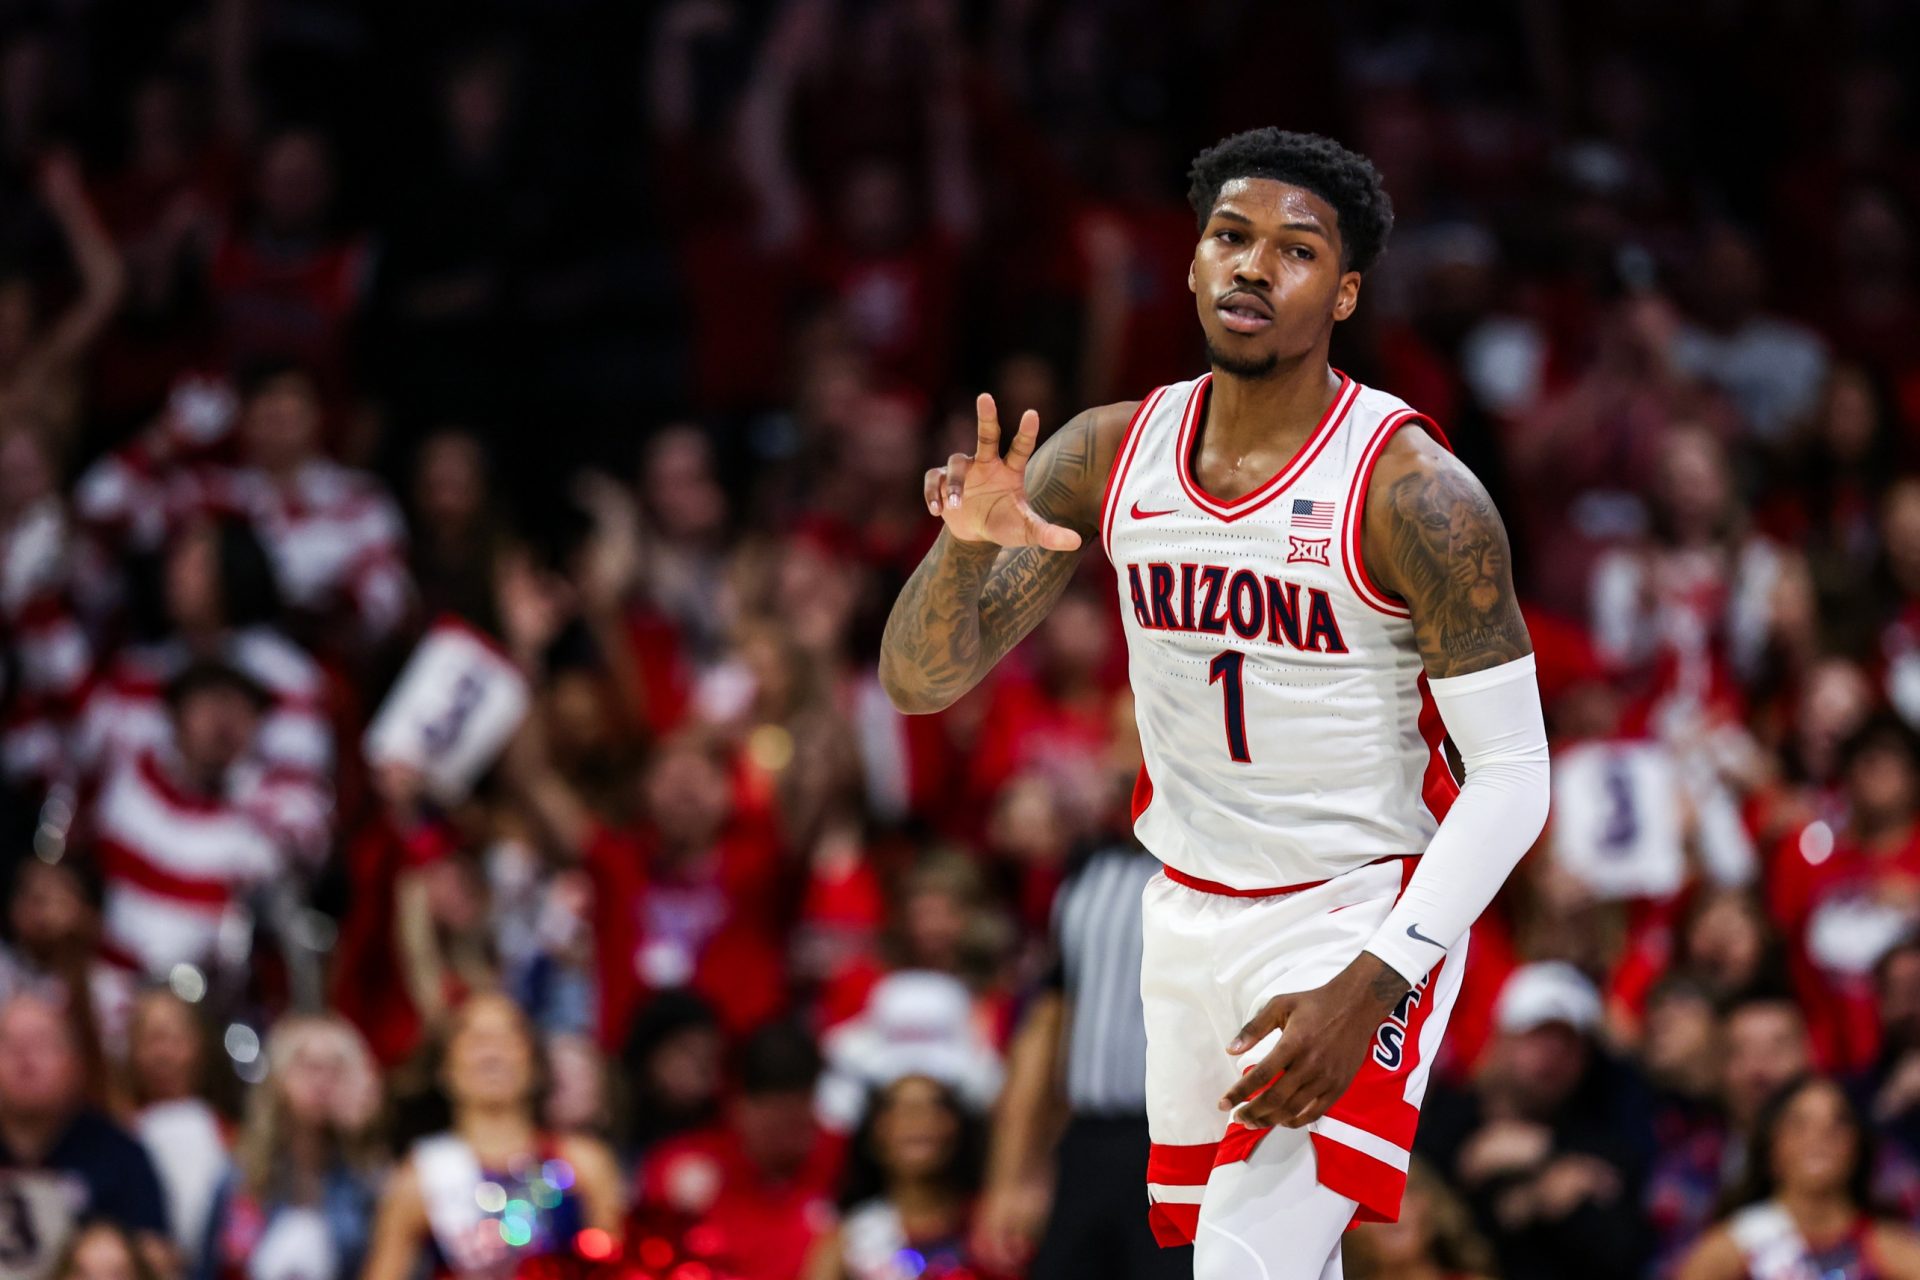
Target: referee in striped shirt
x=1080, y=1057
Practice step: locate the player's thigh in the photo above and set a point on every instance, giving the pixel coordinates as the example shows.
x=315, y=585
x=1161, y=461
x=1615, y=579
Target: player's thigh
x=1268, y=1218
x=1187, y=1015
x=1304, y=940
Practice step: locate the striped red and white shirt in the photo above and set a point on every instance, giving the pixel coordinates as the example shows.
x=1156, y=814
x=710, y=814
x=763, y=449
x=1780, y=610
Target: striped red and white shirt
x=48, y=652
x=335, y=535
x=125, y=710
x=177, y=861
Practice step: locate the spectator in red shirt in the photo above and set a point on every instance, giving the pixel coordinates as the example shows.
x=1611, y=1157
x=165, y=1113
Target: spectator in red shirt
x=286, y=283
x=163, y=205
x=755, y=1193
x=693, y=897
x=885, y=250
x=1844, y=891
x=942, y=920
x=1054, y=715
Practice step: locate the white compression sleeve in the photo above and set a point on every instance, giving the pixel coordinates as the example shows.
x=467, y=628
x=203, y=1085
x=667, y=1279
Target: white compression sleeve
x=1494, y=718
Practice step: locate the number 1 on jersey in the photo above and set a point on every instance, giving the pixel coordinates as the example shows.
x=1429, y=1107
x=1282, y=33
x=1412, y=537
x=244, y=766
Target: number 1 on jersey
x=1225, y=670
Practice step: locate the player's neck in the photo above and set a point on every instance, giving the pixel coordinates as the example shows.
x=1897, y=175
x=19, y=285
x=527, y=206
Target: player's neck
x=1283, y=406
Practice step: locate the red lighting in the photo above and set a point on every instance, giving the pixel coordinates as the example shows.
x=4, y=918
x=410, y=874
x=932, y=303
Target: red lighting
x=655, y=1253
x=594, y=1244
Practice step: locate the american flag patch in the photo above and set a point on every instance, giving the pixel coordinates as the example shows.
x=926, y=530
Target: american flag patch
x=1308, y=514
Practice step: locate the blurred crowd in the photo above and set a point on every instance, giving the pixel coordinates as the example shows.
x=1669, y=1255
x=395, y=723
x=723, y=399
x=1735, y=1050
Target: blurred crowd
x=619, y=336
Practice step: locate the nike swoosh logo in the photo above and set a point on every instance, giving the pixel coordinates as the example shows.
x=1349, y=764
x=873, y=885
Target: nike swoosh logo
x=1413, y=931
x=1138, y=514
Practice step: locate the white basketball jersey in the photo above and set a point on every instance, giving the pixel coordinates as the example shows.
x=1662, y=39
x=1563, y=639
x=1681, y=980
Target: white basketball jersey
x=1284, y=717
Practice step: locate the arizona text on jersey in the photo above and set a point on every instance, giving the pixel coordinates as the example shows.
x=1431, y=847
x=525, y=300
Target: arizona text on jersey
x=1284, y=718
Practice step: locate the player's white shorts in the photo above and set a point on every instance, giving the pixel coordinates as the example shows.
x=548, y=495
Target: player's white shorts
x=1211, y=960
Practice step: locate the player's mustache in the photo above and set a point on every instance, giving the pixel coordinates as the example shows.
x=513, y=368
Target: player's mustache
x=1245, y=297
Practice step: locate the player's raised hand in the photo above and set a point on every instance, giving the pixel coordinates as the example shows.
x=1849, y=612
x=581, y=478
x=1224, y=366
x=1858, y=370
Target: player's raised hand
x=983, y=498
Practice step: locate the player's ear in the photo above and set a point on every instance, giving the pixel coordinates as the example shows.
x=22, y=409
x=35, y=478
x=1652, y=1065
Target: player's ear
x=1192, y=285
x=1348, y=297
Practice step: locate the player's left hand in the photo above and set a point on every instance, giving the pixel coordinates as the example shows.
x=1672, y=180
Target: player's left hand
x=1324, y=1037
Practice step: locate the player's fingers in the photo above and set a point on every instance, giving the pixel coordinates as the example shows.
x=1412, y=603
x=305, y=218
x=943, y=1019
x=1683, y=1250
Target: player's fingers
x=1247, y=1087
x=1055, y=538
x=1024, y=440
x=934, y=488
x=1272, y=1017
x=956, y=478
x=1052, y=537
x=1284, y=1097
x=1260, y=1113
x=987, y=443
x=1257, y=1079
x=1306, y=1113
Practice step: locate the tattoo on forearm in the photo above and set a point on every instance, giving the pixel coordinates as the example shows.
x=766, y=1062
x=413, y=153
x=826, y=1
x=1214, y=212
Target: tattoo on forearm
x=1451, y=561
x=932, y=643
x=969, y=603
x=1387, y=986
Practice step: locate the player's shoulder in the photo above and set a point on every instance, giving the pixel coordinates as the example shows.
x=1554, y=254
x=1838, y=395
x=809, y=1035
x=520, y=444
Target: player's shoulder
x=1108, y=423
x=1413, y=446
x=1070, y=471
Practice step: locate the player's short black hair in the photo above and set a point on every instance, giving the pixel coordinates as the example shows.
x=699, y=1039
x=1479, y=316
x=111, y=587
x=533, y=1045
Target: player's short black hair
x=1344, y=179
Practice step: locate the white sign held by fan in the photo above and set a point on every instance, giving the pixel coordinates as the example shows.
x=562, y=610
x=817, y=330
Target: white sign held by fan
x=451, y=712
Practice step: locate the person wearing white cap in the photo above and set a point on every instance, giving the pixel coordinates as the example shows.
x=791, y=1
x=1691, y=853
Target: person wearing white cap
x=917, y=1022
x=1550, y=991
x=1550, y=1146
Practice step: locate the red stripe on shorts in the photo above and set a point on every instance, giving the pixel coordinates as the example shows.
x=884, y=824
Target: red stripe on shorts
x=1173, y=1224
x=1374, y=1184
x=1375, y=1102
x=1180, y=1166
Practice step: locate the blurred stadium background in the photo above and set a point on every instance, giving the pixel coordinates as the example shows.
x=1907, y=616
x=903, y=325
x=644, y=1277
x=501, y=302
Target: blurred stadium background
x=601, y=346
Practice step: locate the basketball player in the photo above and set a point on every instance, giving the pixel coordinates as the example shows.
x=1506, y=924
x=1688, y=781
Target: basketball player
x=1314, y=591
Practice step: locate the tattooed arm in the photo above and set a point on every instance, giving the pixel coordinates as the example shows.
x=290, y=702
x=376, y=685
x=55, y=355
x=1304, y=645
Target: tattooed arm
x=1433, y=538
x=1015, y=531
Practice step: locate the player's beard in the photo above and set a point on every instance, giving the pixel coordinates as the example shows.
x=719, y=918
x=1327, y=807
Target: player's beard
x=1249, y=367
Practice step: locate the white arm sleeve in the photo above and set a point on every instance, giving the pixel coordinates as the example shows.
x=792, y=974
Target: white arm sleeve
x=1494, y=718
